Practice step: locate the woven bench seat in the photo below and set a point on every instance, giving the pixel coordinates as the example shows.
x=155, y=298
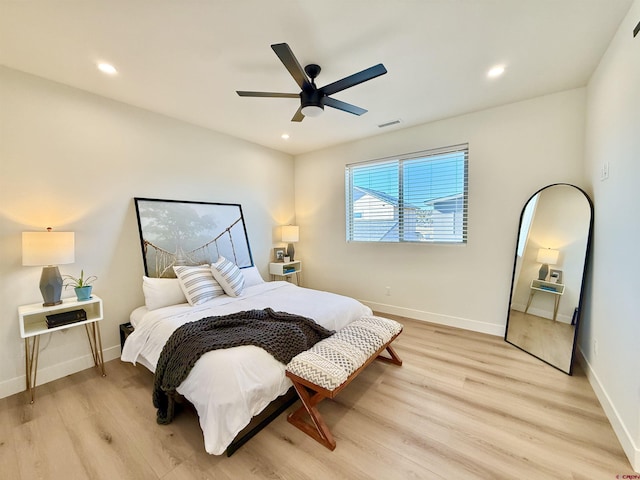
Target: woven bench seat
x=331, y=364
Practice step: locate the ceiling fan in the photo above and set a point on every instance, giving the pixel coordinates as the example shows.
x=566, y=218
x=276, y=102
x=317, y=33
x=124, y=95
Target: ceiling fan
x=312, y=98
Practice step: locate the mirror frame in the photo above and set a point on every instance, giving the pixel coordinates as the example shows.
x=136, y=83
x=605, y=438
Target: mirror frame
x=582, y=282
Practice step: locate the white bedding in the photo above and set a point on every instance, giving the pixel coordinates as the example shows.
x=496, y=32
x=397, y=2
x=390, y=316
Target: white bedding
x=230, y=386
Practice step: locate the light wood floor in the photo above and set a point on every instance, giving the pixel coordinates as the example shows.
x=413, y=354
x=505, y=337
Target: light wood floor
x=463, y=406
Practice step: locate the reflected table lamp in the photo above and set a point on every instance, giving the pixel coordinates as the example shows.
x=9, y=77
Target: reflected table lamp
x=48, y=249
x=546, y=257
x=290, y=235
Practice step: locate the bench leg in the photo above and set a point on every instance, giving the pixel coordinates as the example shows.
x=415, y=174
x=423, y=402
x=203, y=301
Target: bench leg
x=319, y=431
x=395, y=359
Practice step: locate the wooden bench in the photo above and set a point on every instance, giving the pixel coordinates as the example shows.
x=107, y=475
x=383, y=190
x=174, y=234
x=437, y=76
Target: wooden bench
x=331, y=364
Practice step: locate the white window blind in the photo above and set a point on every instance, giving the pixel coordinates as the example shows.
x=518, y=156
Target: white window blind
x=420, y=197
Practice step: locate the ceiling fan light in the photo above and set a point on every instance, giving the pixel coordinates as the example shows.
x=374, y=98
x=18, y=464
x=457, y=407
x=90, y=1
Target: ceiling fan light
x=312, y=110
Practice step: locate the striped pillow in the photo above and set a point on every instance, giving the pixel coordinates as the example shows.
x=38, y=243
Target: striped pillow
x=198, y=283
x=228, y=276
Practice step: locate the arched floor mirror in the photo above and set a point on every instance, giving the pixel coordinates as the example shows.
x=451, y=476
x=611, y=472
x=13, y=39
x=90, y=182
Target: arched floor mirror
x=548, y=274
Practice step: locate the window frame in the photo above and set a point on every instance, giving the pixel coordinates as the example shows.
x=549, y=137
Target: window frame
x=401, y=161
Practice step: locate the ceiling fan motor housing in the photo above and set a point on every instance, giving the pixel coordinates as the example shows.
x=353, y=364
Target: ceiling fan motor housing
x=311, y=98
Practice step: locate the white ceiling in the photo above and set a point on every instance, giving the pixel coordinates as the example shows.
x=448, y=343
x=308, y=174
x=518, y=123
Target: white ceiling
x=186, y=59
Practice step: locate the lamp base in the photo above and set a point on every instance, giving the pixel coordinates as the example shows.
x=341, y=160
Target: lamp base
x=45, y=304
x=51, y=286
x=290, y=252
x=543, y=272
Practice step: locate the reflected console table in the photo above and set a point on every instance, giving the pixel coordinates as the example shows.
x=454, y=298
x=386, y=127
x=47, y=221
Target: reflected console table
x=556, y=289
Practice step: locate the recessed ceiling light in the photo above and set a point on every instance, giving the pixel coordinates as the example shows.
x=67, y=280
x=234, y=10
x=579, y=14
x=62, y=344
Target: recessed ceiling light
x=107, y=68
x=285, y=136
x=495, y=71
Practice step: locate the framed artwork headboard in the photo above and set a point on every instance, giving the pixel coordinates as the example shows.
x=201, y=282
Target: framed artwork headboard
x=175, y=232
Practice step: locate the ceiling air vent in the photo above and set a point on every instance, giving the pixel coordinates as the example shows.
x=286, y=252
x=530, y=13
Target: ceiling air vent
x=388, y=124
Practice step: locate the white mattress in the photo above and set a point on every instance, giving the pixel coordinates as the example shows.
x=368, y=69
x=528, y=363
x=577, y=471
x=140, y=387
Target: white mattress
x=227, y=398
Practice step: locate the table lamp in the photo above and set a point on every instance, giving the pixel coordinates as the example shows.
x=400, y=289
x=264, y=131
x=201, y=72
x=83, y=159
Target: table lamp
x=290, y=234
x=546, y=257
x=48, y=249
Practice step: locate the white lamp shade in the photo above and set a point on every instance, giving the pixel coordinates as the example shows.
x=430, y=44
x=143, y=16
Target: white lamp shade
x=548, y=256
x=290, y=233
x=48, y=248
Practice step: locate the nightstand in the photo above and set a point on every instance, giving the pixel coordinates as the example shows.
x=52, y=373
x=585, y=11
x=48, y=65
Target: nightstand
x=286, y=270
x=33, y=324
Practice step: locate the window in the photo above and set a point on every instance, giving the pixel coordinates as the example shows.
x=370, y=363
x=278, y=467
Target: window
x=420, y=197
x=525, y=224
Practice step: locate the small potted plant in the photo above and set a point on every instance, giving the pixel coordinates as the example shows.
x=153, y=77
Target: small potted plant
x=81, y=285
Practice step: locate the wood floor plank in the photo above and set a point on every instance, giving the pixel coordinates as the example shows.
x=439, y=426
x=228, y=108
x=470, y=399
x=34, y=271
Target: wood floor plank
x=9, y=419
x=162, y=446
x=463, y=405
x=441, y=437
x=46, y=450
x=106, y=451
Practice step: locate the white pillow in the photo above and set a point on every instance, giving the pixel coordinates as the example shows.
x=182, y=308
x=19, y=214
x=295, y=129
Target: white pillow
x=162, y=292
x=252, y=276
x=229, y=276
x=198, y=284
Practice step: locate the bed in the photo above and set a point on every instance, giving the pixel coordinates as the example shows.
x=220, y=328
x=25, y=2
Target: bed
x=226, y=399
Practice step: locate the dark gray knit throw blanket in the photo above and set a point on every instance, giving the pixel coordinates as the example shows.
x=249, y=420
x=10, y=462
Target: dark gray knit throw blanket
x=283, y=335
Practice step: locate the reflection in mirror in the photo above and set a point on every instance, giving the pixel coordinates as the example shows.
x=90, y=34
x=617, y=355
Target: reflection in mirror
x=548, y=272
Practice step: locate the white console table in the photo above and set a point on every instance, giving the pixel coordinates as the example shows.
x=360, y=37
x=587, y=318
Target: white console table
x=286, y=270
x=33, y=324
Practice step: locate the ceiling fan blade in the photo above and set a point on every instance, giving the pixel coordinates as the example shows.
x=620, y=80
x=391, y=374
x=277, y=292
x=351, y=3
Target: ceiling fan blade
x=298, y=117
x=267, y=94
x=355, y=79
x=289, y=60
x=345, y=107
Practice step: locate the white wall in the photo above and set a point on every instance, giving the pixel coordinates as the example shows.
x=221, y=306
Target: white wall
x=513, y=151
x=611, y=316
x=74, y=161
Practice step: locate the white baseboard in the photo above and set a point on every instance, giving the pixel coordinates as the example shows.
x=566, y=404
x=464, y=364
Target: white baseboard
x=465, y=323
x=628, y=445
x=53, y=372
